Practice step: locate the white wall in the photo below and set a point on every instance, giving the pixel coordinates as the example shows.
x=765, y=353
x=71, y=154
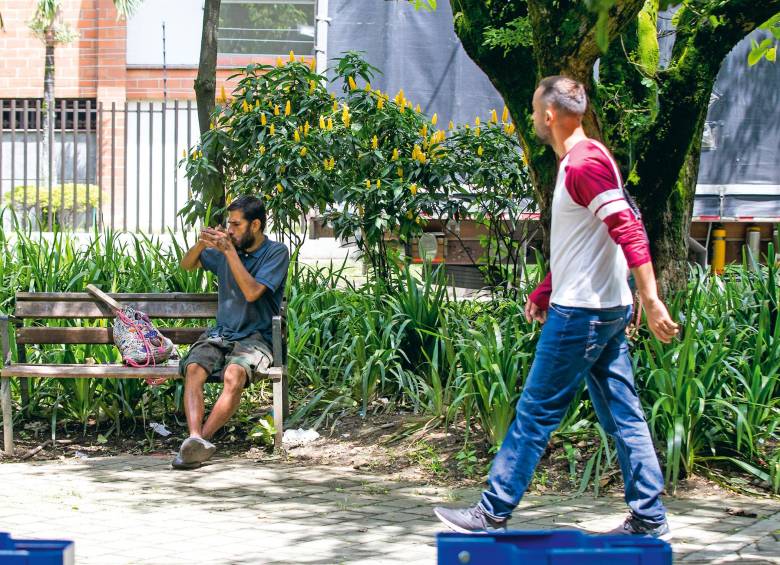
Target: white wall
x=183, y=22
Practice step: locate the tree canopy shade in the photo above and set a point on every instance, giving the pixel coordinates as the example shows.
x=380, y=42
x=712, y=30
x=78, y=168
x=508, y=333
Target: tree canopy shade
x=651, y=115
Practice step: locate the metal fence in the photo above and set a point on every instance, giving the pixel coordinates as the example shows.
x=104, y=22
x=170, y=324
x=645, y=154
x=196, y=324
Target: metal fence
x=114, y=166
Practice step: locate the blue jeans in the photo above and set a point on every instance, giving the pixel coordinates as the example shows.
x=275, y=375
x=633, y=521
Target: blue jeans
x=579, y=344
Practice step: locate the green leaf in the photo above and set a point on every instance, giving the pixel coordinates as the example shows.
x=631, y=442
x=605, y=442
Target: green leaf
x=771, y=54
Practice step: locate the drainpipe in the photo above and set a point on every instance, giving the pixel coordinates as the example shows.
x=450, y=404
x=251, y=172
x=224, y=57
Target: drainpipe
x=698, y=251
x=321, y=36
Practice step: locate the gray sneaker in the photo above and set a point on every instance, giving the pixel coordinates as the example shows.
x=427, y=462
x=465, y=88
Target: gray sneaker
x=469, y=520
x=634, y=526
x=196, y=450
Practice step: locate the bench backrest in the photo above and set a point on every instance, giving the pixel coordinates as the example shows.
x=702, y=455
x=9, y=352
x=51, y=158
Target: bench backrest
x=81, y=305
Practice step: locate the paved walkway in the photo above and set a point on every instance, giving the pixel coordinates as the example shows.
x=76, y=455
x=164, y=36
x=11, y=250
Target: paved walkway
x=122, y=510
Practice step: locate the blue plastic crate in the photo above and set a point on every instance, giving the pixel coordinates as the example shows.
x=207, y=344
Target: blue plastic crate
x=559, y=547
x=35, y=551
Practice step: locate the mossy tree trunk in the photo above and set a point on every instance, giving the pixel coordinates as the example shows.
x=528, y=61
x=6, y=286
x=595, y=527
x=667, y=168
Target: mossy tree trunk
x=660, y=152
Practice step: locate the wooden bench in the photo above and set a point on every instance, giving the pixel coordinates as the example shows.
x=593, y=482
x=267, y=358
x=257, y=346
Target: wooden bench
x=40, y=306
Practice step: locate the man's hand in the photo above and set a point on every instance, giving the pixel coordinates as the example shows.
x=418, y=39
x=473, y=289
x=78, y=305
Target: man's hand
x=533, y=312
x=216, y=239
x=659, y=321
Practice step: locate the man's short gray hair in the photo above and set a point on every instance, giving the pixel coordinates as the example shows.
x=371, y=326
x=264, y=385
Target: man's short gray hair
x=565, y=94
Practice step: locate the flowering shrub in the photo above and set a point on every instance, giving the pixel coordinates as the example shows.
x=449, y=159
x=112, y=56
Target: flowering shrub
x=371, y=164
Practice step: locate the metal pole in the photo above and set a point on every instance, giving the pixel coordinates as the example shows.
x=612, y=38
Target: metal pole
x=124, y=174
x=113, y=162
x=162, y=152
x=87, y=132
x=151, y=160
x=25, y=108
x=175, y=163
x=38, y=162
x=75, y=159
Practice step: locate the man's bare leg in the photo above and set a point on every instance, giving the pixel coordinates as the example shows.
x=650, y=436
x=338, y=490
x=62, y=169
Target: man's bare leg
x=227, y=404
x=193, y=398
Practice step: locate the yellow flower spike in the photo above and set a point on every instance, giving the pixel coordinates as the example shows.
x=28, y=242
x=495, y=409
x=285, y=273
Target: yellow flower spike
x=374, y=142
x=409, y=215
x=417, y=109
x=511, y=129
x=424, y=131
x=368, y=183
x=378, y=183
x=413, y=188
x=303, y=151
x=245, y=106
x=368, y=87
x=332, y=162
x=330, y=124
x=322, y=122
x=306, y=128
x=222, y=95
x=184, y=154
x=287, y=108
x=380, y=103
x=262, y=150
x=352, y=83
x=435, y=118
x=211, y=124
x=477, y=121
x=313, y=64
x=276, y=110
x=257, y=103
x=268, y=197
x=451, y=125
x=400, y=172
x=395, y=155
x=505, y=114
x=335, y=105
x=297, y=136
x=279, y=187
x=272, y=130
x=477, y=131
x=263, y=119
x=292, y=57
x=200, y=154
x=493, y=116
x=279, y=62
x=480, y=151
x=312, y=86
x=417, y=221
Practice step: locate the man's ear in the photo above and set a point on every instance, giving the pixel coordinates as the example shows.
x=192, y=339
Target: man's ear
x=259, y=225
x=548, y=116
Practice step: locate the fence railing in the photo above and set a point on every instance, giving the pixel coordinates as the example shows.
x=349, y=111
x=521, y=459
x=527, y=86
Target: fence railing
x=80, y=164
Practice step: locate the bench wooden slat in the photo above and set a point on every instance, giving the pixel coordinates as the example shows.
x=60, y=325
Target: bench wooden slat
x=47, y=335
x=89, y=308
x=113, y=371
x=122, y=297
x=104, y=371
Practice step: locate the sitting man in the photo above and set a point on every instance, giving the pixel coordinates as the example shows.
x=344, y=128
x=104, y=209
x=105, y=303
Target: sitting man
x=251, y=271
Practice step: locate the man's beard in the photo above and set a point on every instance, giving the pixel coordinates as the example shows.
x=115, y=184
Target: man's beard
x=543, y=137
x=247, y=241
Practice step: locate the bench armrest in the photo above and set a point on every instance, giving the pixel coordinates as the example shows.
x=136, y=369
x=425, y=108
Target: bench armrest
x=5, y=338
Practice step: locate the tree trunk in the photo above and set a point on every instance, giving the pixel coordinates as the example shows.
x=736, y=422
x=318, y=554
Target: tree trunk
x=205, y=94
x=664, y=178
x=47, y=109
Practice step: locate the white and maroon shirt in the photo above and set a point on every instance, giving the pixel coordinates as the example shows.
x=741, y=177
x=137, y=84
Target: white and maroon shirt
x=596, y=236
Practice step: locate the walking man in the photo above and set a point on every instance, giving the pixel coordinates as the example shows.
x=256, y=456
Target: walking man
x=585, y=305
x=251, y=272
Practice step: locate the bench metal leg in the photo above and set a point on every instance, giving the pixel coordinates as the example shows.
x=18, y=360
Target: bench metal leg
x=280, y=409
x=8, y=422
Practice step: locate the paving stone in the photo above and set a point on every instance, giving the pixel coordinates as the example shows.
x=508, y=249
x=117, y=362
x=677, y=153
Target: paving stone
x=124, y=510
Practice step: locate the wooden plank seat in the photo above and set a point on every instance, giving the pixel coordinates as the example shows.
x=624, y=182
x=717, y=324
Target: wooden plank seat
x=41, y=306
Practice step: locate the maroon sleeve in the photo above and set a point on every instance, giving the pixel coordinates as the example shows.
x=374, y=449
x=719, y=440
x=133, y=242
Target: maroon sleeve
x=541, y=295
x=593, y=181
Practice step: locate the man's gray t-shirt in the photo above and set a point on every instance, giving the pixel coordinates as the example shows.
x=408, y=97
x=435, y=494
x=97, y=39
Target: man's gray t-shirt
x=237, y=318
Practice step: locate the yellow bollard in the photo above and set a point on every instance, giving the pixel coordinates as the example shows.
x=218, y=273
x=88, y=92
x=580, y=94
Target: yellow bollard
x=718, y=250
